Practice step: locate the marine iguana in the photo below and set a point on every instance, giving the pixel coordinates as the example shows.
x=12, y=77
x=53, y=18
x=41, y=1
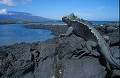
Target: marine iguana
x=89, y=33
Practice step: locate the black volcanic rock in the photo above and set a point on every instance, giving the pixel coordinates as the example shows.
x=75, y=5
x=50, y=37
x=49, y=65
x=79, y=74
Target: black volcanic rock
x=60, y=57
x=54, y=58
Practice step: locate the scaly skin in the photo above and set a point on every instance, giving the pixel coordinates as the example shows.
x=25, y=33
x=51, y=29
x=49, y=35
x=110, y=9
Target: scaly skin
x=87, y=31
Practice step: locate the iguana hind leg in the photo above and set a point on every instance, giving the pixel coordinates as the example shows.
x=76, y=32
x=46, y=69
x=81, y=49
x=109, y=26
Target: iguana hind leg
x=91, y=45
x=89, y=49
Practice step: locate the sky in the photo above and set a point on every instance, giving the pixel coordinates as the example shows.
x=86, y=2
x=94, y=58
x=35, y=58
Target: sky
x=97, y=10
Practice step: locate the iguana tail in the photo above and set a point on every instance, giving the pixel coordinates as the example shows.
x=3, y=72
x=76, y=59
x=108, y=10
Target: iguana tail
x=108, y=56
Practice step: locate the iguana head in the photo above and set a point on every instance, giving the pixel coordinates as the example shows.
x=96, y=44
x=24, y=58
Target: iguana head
x=69, y=18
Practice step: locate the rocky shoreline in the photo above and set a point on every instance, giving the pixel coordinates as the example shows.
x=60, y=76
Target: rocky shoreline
x=56, y=29
x=60, y=57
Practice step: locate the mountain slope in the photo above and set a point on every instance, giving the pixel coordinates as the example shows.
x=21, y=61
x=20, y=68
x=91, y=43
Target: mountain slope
x=19, y=16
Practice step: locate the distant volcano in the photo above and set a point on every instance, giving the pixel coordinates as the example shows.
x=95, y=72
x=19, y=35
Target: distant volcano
x=19, y=16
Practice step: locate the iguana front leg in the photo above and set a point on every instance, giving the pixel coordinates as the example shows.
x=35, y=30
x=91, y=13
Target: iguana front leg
x=68, y=32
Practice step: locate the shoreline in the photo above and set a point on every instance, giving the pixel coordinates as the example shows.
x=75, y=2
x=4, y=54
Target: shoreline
x=61, y=28
x=56, y=29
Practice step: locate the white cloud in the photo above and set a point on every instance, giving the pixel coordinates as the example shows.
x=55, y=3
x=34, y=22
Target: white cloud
x=13, y=3
x=8, y=2
x=3, y=11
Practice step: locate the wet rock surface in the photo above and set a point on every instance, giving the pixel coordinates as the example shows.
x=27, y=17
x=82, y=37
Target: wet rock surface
x=60, y=57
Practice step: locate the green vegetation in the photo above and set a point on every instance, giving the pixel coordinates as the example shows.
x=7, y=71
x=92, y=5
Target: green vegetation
x=24, y=21
x=7, y=22
x=16, y=22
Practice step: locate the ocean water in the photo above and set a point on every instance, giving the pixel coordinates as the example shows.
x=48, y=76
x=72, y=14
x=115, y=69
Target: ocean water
x=99, y=22
x=16, y=33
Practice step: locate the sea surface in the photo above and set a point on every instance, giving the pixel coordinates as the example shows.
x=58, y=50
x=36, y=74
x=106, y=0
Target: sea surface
x=16, y=33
